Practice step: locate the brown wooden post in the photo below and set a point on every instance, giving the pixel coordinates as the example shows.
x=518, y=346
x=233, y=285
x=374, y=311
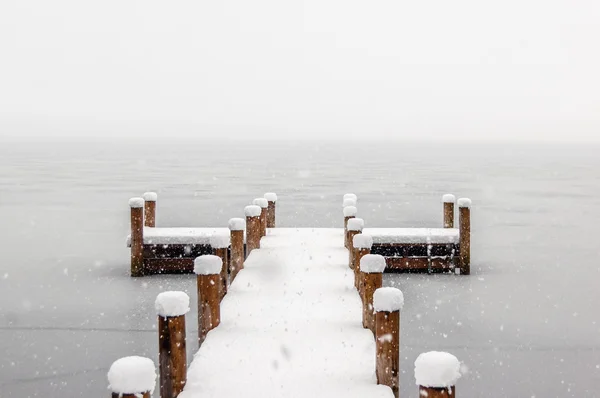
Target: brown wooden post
x=253, y=228
x=137, y=236
x=132, y=373
x=448, y=201
x=464, y=220
x=171, y=308
x=271, y=213
x=362, y=246
x=236, y=262
x=264, y=205
x=220, y=247
x=355, y=226
x=349, y=212
x=208, y=271
x=436, y=374
x=371, y=269
x=387, y=303
x=150, y=209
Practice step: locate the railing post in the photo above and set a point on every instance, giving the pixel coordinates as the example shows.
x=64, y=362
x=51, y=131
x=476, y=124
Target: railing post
x=371, y=269
x=349, y=212
x=362, y=246
x=132, y=377
x=448, y=201
x=220, y=246
x=208, y=270
x=272, y=201
x=355, y=226
x=264, y=205
x=150, y=209
x=236, y=262
x=171, y=308
x=387, y=302
x=137, y=236
x=253, y=228
x=436, y=374
x=464, y=220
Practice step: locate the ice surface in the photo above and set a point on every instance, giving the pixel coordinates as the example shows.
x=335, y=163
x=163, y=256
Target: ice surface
x=437, y=369
x=219, y=241
x=350, y=211
x=356, y=224
x=132, y=375
x=150, y=196
x=448, y=198
x=271, y=196
x=464, y=202
x=348, y=202
x=362, y=241
x=237, y=224
x=413, y=235
x=172, y=303
x=262, y=202
x=136, y=203
x=372, y=263
x=388, y=299
x=208, y=264
x=252, y=211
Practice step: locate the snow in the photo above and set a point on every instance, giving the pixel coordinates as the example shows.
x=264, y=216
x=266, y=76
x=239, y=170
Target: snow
x=413, y=235
x=448, y=198
x=132, y=375
x=271, y=196
x=173, y=303
x=291, y=325
x=208, y=264
x=351, y=196
x=464, y=202
x=348, y=202
x=350, y=211
x=356, y=224
x=388, y=299
x=437, y=369
x=362, y=241
x=179, y=236
x=372, y=263
x=237, y=224
x=136, y=203
x=219, y=241
x=252, y=211
x=150, y=196
x=262, y=202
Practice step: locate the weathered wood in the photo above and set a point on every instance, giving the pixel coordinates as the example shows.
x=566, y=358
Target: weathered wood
x=172, y=355
x=176, y=251
x=346, y=243
x=209, y=298
x=432, y=392
x=263, y=221
x=168, y=266
x=253, y=234
x=150, y=213
x=359, y=253
x=271, y=211
x=351, y=249
x=387, y=340
x=465, y=240
x=370, y=283
x=448, y=214
x=140, y=395
x=414, y=249
x=137, y=241
x=236, y=263
x=419, y=264
x=222, y=252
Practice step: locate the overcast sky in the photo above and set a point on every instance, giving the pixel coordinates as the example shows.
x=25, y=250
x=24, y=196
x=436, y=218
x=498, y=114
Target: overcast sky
x=523, y=69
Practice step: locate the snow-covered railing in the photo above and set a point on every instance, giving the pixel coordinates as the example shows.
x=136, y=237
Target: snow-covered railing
x=436, y=374
x=132, y=377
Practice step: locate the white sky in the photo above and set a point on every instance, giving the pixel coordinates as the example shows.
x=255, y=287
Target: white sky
x=523, y=69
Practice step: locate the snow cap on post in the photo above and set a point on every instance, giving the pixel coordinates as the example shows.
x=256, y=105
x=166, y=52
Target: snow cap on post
x=351, y=196
x=136, y=203
x=362, y=241
x=437, y=369
x=388, y=299
x=350, y=211
x=237, y=224
x=252, y=211
x=271, y=197
x=464, y=202
x=348, y=202
x=372, y=263
x=172, y=304
x=132, y=375
x=219, y=241
x=448, y=198
x=356, y=224
x=262, y=202
x=208, y=264
x=150, y=196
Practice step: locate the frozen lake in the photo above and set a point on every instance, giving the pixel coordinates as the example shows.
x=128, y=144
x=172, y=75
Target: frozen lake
x=526, y=322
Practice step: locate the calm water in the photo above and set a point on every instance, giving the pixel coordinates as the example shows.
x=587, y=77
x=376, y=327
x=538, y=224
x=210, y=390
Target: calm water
x=525, y=322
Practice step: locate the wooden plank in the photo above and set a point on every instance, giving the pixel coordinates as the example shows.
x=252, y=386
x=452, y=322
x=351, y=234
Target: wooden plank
x=414, y=249
x=168, y=266
x=417, y=264
x=176, y=251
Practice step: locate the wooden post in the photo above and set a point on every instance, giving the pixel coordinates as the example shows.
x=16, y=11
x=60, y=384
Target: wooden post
x=264, y=205
x=355, y=226
x=349, y=212
x=137, y=236
x=362, y=244
x=236, y=262
x=272, y=202
x=371, y=269
x=150, y=209
x=448, y=201
x=436, y=374
x=132, y=373
x=220, y=246
x=171, y=308
x=253, y=228
x=464, y=208
x=387, y=303
x=208, y=270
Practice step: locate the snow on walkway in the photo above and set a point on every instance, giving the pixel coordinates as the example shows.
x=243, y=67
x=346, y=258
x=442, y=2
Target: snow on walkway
x=290, y=326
